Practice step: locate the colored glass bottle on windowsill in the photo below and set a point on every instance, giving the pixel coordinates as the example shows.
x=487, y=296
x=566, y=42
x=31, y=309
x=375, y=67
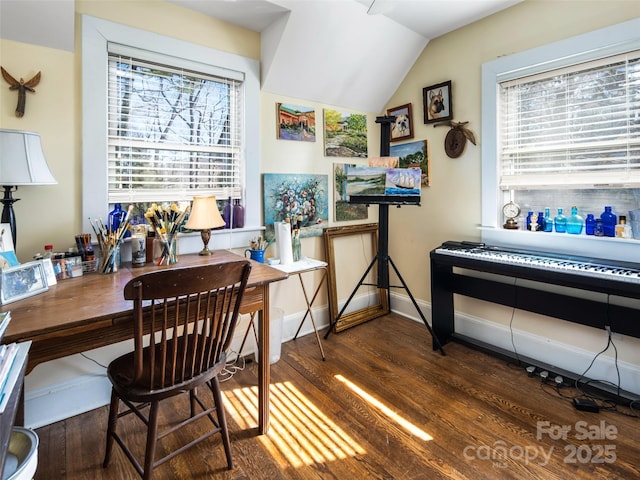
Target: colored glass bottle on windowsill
x=548, y=221
x=590, y=224
x=560, y=222
x=609, y=221
x=575, y=222
x=238, y=214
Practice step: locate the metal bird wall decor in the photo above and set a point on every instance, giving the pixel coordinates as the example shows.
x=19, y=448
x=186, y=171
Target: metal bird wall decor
x=456, y=138
x=22, y=87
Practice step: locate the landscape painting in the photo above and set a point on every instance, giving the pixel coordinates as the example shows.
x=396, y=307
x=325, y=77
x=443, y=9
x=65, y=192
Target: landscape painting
x=345, y=134
x=365, y=180
x=296, y=122
x=345, y=211
x=414, y=155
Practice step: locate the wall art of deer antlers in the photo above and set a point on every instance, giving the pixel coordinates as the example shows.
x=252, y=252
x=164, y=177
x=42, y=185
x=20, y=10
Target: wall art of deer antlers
x=456, y=138
x=22, y=87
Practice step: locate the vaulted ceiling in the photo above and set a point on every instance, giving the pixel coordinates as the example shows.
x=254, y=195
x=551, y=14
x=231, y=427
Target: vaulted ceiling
x=351, y=54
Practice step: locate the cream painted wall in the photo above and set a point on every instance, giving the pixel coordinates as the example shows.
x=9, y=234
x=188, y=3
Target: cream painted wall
x=45, y=214
x=451, y=206
x=286, y=156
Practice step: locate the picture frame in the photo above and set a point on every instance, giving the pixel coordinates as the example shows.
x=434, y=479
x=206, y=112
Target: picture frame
x=402, y=126
x=23, y=281
x=295, y=122
x=334, y=240
x=437, y=102
x=414, y=154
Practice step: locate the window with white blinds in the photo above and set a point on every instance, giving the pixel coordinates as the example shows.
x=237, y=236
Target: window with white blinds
x=172, y=132
x=575, y=127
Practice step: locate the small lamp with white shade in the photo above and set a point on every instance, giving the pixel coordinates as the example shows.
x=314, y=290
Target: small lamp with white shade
x=22, y=162
x=204, y=216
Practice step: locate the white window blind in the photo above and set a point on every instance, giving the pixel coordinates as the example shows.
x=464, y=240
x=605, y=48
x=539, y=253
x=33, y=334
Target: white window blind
x=577, y=127
x=172, y=132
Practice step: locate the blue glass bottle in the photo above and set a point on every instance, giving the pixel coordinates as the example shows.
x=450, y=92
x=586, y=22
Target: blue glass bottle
x=590, y=224
x=530, y=220
x=548, y=221
x=540, y=222
x=609, y=221
x=116, y=216
x=560, y=222
x=575, y=222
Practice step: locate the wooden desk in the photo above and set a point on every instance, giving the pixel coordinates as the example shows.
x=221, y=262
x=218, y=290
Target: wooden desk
x=88, y=312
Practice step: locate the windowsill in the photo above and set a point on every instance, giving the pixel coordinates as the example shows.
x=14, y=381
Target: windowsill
x=225, y=239
x=620, y=249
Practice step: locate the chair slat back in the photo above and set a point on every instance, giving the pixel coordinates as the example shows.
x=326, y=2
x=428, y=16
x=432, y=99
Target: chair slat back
x=186, y=316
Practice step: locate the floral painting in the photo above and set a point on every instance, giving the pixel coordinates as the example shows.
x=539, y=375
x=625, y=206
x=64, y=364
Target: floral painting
x=345, y=134
x=299, y=197
x=344, y=210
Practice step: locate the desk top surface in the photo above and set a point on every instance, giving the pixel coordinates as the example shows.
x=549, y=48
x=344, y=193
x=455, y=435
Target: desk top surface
x=97, y=297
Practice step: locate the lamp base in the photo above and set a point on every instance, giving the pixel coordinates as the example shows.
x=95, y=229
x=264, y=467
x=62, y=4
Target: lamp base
x=8, y=216
x=206, y=236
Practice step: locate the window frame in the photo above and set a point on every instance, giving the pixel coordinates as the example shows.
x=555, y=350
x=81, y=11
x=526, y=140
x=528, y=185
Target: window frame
x=96, y=34
x=590, y=46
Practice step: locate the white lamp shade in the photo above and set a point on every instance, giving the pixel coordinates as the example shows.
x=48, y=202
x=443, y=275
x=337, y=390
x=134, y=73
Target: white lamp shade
x=22, y=160
x=204, y=214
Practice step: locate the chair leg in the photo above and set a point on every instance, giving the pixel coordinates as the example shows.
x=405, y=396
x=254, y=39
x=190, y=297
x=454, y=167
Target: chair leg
x=111, y=426
x=222, y=420
x=192, y=401
x=152, y=437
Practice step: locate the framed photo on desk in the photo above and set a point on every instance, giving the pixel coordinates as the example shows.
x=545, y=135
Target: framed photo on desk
x=22, y=281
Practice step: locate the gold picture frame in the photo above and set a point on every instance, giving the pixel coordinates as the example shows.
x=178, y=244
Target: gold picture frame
x=355, y=317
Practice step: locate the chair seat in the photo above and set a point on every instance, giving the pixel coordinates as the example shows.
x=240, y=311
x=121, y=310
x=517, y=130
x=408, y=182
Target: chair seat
x=121, y=374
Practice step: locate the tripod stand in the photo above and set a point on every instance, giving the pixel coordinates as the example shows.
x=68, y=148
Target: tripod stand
x=382, y=258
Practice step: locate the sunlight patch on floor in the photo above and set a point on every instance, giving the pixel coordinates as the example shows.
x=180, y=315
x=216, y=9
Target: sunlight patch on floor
x=404, y=423
x=300, y=433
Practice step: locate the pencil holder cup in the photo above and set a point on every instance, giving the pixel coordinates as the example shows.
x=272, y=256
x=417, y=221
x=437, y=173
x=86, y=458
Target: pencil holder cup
x=257, y=255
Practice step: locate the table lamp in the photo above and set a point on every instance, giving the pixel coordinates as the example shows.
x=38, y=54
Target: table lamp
x=22, y=162
x=204, y=216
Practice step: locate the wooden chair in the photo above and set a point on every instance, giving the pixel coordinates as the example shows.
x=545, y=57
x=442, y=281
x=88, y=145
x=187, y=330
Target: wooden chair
x=193, y=312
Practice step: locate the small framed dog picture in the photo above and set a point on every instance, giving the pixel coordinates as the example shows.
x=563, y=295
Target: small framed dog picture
x=402, y=126
x=438, y=104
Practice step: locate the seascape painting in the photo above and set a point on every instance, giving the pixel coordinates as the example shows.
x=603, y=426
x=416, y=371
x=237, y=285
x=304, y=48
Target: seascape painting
x=382, y=181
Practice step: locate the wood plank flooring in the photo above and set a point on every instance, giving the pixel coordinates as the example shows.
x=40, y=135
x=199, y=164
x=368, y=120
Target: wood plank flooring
x=382, y=406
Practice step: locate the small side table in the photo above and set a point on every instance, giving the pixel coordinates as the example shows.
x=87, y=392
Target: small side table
x=298, y=268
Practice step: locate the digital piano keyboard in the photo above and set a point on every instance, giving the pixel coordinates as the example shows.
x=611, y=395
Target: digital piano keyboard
x=611, y=278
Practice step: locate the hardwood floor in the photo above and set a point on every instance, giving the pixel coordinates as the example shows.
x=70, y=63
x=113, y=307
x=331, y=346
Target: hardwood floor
x=382, y=406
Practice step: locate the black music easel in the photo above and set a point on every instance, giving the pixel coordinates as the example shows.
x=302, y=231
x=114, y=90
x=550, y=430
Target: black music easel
x=382, y=257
